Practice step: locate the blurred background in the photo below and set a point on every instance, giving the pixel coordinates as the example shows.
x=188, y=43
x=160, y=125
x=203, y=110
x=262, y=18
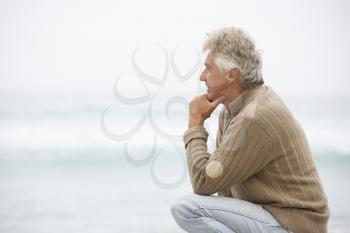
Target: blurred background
x=93, y=104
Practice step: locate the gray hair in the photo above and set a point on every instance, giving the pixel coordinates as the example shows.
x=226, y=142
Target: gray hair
x=233, y=48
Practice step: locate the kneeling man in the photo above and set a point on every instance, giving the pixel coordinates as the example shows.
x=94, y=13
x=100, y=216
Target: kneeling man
x=262, y=168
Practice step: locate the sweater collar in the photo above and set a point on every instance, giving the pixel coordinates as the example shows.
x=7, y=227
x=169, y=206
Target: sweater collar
x=244, y=98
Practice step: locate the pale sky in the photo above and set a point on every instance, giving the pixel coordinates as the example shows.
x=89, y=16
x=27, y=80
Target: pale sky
x=82, y=46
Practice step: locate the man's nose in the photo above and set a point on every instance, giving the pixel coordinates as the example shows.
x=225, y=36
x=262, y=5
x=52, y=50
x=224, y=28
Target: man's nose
x=202, y=77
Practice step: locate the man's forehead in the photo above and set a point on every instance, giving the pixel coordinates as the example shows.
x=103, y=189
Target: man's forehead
x=209, y=59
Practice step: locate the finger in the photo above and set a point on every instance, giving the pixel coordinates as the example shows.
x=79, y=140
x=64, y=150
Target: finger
x=218, y=101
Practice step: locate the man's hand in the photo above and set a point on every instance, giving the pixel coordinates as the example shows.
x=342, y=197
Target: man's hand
x=200, y=109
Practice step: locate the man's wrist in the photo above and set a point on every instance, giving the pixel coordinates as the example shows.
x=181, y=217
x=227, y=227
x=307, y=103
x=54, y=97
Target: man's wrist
x=195, y=121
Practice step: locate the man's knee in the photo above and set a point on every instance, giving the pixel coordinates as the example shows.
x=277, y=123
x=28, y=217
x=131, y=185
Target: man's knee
x=185, y=208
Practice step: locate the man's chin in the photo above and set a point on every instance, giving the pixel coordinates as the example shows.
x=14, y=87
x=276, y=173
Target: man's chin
x=211, y=97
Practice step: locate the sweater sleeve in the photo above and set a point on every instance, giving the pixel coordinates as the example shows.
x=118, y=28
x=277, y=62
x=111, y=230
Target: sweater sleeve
x=243, y=151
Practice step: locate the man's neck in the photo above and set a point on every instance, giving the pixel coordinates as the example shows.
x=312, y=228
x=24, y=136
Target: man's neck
x=233, y=94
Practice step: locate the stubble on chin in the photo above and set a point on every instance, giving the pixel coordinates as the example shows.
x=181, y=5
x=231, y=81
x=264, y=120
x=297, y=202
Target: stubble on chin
x=210, y=97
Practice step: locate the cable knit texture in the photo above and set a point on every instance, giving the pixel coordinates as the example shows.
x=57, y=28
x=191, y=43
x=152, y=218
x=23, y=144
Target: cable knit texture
x=262, y=156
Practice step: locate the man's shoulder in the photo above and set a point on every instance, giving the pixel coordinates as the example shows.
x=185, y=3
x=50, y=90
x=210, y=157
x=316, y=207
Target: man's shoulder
x=268, y=111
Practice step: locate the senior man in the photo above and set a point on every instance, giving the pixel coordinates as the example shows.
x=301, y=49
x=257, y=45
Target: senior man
x=262, y=168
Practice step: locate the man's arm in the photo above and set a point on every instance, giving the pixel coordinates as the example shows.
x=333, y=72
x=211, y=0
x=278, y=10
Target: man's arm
x=243, y=151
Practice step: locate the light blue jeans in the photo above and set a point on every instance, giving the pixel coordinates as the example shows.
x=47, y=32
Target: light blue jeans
x=203, y=214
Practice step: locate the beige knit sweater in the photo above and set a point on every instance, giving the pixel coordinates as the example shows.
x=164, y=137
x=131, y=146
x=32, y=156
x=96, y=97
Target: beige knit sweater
x=262, y=156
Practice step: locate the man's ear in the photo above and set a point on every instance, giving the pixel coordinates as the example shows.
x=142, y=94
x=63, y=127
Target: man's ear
x=234, y=73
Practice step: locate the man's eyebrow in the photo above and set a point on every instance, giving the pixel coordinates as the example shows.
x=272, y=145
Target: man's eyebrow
x=206, y=64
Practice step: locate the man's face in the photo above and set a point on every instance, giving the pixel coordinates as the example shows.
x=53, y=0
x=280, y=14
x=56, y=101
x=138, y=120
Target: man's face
x=213, y=78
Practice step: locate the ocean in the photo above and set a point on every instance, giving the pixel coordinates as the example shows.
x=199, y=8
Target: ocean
x=68, y=162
